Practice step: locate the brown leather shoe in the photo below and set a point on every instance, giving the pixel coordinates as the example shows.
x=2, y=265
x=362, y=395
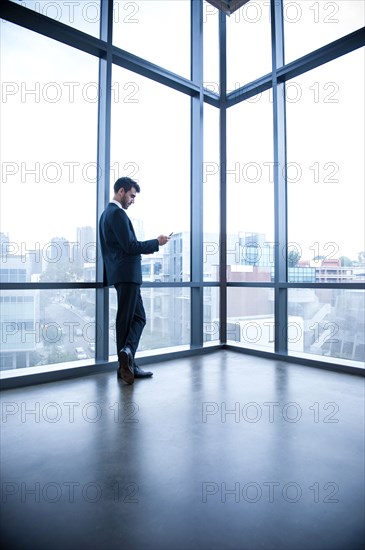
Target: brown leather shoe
x=125, y=370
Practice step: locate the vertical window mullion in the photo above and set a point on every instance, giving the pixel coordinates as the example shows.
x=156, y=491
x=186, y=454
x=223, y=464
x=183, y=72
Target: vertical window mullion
x=196, y=192
x=103, y=182
x=223, y=176
x=280, y=180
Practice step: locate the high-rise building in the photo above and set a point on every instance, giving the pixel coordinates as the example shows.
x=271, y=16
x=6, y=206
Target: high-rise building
x=85, y=250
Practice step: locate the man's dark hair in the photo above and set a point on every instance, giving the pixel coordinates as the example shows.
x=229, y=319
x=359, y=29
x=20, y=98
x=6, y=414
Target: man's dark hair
x=127, y=184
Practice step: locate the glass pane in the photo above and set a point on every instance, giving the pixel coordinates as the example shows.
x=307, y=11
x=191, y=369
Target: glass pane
x=48, y=148
x=151, y=143
x=41, y=327
x=248, y=44
x=311, y=25
x=211, y=47
x=211, y=314
x=329, y=324
x=250, y=317
x=250, y=198
x=155, y=30
x=211, y=190
x=168, y=318
x=325, y=131
x=84, y=16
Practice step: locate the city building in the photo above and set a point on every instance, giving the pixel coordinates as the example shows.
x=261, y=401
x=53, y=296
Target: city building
x=20, y=327
x=86, y=245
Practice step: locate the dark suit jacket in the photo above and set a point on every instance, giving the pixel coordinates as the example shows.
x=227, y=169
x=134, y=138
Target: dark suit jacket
x=120, y=249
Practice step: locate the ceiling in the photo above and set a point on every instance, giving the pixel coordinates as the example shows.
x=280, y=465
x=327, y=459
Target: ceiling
x=228, y=6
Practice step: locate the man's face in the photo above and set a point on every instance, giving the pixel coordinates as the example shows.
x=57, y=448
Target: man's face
x=127, y=197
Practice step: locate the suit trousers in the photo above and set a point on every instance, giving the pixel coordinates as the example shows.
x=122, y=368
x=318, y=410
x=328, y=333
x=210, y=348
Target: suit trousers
x=131, y=316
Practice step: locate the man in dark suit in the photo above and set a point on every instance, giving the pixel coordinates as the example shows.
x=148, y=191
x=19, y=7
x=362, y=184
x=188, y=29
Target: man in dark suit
x=122, y=268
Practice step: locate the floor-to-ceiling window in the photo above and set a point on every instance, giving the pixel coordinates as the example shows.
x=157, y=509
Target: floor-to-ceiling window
x=92, y=91
x=326, y=207
x=150, y=141
x=78, y=112
x=311, y=249
x=48, y=197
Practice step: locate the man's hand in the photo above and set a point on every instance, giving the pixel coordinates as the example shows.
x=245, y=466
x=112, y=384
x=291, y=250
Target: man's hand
x=163, y=239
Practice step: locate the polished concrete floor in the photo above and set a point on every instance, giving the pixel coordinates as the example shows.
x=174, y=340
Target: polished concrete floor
x=221, y=451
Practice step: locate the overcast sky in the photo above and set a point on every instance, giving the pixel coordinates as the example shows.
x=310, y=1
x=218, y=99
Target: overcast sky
x=49, y=125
